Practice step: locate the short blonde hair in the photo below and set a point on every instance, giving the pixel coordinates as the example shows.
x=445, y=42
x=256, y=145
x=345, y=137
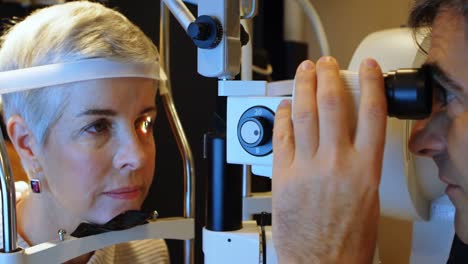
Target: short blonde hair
x=65, y=33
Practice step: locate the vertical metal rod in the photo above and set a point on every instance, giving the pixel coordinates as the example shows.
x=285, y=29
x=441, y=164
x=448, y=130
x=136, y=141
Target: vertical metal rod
x=246, y=188
x=178, y=131
x=246, y=75
x=10, y=236
x=246, y=181
x=247, y=53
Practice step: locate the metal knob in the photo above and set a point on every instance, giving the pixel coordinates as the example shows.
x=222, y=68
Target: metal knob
x=255, y=130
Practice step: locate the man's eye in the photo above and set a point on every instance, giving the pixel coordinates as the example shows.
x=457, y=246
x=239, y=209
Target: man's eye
x=99, y=127
x=449, y=96
x=440, y=95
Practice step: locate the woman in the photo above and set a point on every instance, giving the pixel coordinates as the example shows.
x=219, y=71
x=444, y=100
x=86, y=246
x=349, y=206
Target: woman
x=87, y=145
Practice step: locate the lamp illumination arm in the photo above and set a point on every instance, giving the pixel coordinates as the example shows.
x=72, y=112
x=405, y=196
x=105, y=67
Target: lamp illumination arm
x=316, y=22
x=181, y=12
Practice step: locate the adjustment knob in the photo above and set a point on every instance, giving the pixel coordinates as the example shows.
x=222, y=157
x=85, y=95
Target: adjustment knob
x=255, y=129
x=199, y=31
x=206, y=32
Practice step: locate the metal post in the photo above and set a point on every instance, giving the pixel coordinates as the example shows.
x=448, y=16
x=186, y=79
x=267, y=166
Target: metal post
x=178, y=131
x=10, y=237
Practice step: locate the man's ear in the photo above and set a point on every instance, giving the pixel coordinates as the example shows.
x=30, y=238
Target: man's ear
x=23, y=139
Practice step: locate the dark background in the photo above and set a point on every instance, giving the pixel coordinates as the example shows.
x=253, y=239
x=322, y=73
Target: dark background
x=195, y=98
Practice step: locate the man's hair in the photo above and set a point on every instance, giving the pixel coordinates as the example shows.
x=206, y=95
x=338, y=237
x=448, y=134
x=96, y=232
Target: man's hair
x=65, y=33
x=424, y=12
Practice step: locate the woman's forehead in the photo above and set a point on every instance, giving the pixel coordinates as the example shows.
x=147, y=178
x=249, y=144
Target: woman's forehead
x=115, y=93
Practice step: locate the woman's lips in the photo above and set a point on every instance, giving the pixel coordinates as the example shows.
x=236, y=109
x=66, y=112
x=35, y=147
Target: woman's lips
x=126, y=193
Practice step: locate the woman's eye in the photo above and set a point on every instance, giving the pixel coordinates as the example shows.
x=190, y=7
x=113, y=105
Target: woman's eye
x=145, y=124
x=98, y=127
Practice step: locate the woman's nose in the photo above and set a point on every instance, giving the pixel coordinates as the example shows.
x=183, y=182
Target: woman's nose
x=130, y=154
x=428, y=137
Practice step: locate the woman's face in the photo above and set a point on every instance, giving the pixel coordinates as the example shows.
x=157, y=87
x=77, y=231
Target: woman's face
x=98, y=158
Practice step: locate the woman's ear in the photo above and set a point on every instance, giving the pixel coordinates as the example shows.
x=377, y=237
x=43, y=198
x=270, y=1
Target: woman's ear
x=23, y=139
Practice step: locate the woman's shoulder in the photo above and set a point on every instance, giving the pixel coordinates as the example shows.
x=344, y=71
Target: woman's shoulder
x=135, y=252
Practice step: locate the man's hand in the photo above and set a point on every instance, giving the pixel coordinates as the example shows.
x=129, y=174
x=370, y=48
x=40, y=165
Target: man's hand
x=326, y=170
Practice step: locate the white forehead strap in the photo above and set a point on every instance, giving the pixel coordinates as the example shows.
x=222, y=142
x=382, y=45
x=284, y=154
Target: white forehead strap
x=82, y=70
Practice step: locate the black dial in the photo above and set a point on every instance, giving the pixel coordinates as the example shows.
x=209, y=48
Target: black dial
x=206, y=32
x=255, y=129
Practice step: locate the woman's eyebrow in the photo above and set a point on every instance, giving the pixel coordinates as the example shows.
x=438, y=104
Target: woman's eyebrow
x=148, y=110
x=442, y=78
x=111, y=112
x=104, y=112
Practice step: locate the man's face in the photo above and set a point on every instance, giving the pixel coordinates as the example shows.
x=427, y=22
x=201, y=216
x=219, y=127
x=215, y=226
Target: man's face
x=444, y=135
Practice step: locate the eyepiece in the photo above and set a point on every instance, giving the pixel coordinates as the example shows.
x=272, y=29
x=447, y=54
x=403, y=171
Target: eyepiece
x=409, y=93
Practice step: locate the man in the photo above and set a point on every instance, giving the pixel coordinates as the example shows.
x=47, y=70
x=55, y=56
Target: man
x=326, y=175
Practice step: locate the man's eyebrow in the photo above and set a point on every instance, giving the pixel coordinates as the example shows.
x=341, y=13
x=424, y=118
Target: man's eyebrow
x=441, y=77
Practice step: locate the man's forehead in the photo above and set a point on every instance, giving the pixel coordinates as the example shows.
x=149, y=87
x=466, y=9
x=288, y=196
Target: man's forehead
x=448, y=26
x=449, y=46
x=448, y=20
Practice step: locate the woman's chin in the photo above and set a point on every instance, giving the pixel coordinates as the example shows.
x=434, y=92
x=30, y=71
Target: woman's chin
x=124, y=209
x=107, y=215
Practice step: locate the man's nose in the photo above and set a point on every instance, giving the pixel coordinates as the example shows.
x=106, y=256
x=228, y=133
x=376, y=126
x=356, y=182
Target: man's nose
x=428, y=136
x=130, y=154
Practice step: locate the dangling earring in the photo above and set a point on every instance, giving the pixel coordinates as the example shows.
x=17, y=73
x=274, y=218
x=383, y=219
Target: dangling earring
x=35, y=185
x=34, y=182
